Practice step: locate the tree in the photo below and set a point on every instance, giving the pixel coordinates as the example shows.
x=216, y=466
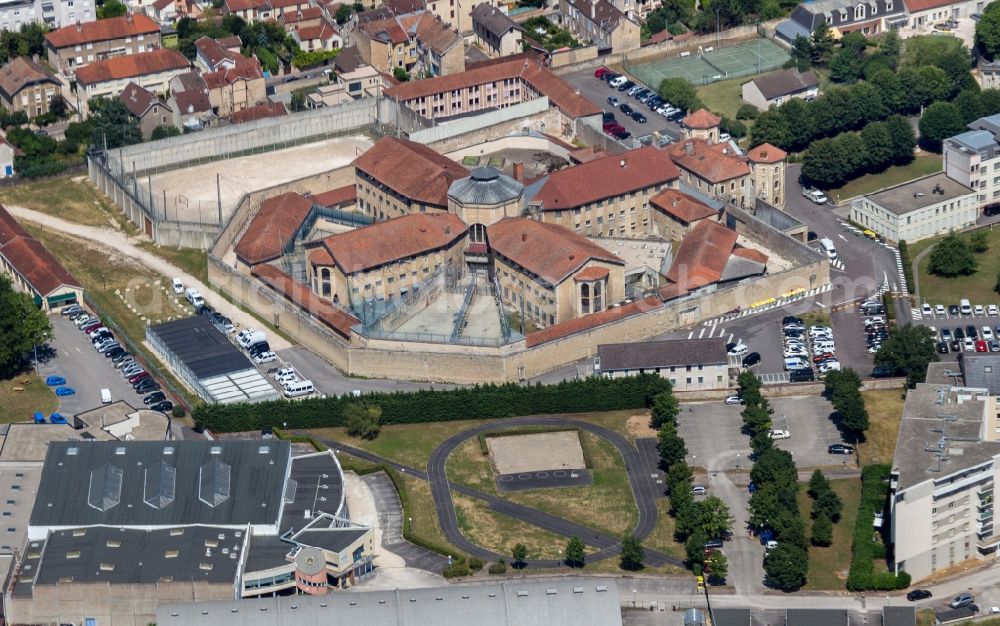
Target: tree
x=771, y=127
x=822, y=44
x=717, y=566
x=802, y=53
x=970, y=105
x=908, y=349
x=853, y=417
x=940, y=121
x=694, y=548
x=818, y=483
x=343, y=14
x=775, y=466
x=519, y=552
x=163, y=131
x=801, y=128
x=58, y=105
x=903, y=139
x=747, y=112
x=979, y=241
x=847, y=64
x=111, y=8
x=681, y=93
x=632, y=554
x=890, y=48
x=22, y=326
x=298, y=100
x=952, y=256
x=714, y=519
x=664, y=409
x=575, y=552
x=735, y=128
x=362, y=419
x=988, y=31
x=113, y=123
x=786, y=566
x=878, y=146
x=400, y=74
x=671, y=445
x=822, y=531
x=828, y=505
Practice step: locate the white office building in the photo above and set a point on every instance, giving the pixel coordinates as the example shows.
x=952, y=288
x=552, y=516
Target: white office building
x=973, y=159
x=53, y=13
x=916, y=210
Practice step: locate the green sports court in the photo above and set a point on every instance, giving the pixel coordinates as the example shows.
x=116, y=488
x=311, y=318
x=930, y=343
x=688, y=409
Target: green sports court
x=709, y=65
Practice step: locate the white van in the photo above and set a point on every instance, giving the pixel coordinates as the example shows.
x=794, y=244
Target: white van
x=827, y=247
x=298, y=388
x=105, y=396
x=965, y=306
x=194, y=297
x=178, y=286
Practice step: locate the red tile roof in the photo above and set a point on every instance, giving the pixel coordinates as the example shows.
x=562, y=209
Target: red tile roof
x=272, y=228
x=587, y=322
x=102, y=30
x=9, y=228
x=560, y=93
x=914, y=6
x=259, y=112
x=594, y=272
x=752, y=254
x=548, y=251
x=702, y=256
x=330, y=314
x=30, y=258
x=192, y=101
x=411, y=169
x=393, y=240
x=766, y=153
x=702, y=119
x=606, y=177
x=671, y=291
x=336, y=197
x=682, y=206
x=215, y=53
x=324, y=31
x=131, y=66
x=706, y=161
x=247, y=69
x=303, y=15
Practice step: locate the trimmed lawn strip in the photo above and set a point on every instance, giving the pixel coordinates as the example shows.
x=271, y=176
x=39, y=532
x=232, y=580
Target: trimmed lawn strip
x=978, y=287
x=885, y=410
x=828, y=566
x=500, y=533
x=18, y=406
x=662, y=537
x=74, y=202
x=607, y=505
x=192, y=261
x=724, y=97
x=468, y=466
x=922, y=165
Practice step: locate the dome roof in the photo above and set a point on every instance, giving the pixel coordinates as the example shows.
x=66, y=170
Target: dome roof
x=485, y=186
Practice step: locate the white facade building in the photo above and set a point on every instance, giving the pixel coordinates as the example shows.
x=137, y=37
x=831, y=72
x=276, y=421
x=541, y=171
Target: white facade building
x=53, y=13
x=973, y=159
x=919, y=209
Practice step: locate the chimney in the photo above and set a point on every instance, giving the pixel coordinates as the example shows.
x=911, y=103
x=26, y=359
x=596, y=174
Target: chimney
x=79, y=27
x=128, y=17
x=673, y=201
x=593, y=9
x=519, y=171
x=689, y=148
x=622, y=163
x=447, y=230
x=524, y=236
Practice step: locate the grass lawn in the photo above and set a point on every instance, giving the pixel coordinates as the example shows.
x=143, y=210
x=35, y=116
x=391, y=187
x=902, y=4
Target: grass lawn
x=78, y=202
x=501, y=533
x=423, y=515
x=470, y=467
x=662, y=537
x=607, y=504
x=885, y=409
x=922, y=165
x=724, y=97
x=192, y=261
x=18, y=406
x=976, y=287
x=828, y=566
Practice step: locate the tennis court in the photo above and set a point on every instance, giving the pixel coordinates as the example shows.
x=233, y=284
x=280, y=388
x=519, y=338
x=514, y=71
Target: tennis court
x=710, y=65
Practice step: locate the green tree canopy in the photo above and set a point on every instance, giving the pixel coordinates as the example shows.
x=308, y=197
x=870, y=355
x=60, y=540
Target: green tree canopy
x=363, y=419
x=111, y=8
x=112, y=123
x=576, y=553
x=988, y=31
x=952, y=256
x=717, y=567
x=664, y=409
x=632, y=554
x=940, y=121
x=163, y=131
x=680, y=92
x=786, y=566
x=908, y=349
x=22, y=326
x=671, y=445
x=519, y=552
x=822, y=531
x=714, y=519
x=822, y=44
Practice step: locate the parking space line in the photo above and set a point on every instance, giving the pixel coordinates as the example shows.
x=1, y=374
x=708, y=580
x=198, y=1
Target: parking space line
x=691, y=334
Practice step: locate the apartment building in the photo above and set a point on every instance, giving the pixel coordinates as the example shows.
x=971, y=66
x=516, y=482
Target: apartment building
x=601, y=22
x=52, y=13
x=551, y=274
x=922, y=208
x=261, y=10
x=491, y=86
x=150, y=70
x=397, y=177
x=496, y=34
x=82, y=43
x=689, y=364
x=608, y=196
x=926, y=13
x=387, y=259
x=972, y=158
x=417, y=43
x=767, y=173
x=675, y=213
x=716, y=169
x=27, y=86
x=944, y=471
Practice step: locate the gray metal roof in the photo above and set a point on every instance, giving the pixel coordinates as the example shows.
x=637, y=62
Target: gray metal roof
x=485, y=186
x=567, y=602
x=815, y=617
x=981, y=370
x=667, y=353
x=738, y=267
x=899, y=616
x=790, y=29
x=214, y=482
x=200, y=346
x=731, y=617
x=976, y=140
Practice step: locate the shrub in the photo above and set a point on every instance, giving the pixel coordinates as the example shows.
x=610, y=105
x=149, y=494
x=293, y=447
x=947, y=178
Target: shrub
x=458, y=567
x=904, y=256
x=177, y=411
x=862, y=577
x=475, y=564
x=500, y=567
x=747, y=112
x=363, y=420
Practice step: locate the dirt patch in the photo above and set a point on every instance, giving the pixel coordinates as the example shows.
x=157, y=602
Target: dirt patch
x=536, y=452
x=638, y=427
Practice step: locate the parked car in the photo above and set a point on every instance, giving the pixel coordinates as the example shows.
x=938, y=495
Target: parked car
x=73, y=309
x=626, y=109
x=777, y=433
x=639, y=117
x=178, y=286
x=918, y=594
x=153, y=398
x=734, y=400
x=265, y=357
x=698, y=490
x=751, y=359
x=65, y=391
x=55, y=381
x=939, y=309
x=164, y=406
x=814, y=195
x=927, y=310
x=601, y=71
x=613, y=101
x=942, y=347
x=840, y=448
x=963, y=599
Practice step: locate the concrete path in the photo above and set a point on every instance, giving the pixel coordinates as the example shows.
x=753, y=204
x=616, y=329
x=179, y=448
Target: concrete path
x=746, y=567
x=123, y=244
x=915, y=265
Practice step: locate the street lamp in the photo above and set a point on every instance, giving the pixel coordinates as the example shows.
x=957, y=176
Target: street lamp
x=633, y=598
x=737, y=461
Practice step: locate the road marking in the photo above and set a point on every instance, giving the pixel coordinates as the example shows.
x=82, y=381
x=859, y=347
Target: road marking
x=690, y=334
x=701, y=334
x=842, y=237
x=721, y=332
x=821, y=304
x=730, y=338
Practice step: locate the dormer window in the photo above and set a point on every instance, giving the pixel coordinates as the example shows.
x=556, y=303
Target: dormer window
x=888, y=6
x=859, y=12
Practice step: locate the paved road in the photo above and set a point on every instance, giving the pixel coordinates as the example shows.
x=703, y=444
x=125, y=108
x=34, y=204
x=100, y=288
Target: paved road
x=644, y=488
x=390, y=519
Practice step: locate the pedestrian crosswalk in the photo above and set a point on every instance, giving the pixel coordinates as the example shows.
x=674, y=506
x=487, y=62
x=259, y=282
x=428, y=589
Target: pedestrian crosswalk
x=837, y=264
x=916, y=314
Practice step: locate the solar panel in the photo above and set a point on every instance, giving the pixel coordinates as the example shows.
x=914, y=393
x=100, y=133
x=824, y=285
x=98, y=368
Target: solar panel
x=105, y=487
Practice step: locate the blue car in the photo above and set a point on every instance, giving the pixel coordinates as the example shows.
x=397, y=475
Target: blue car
x=55, y=381
x=65, y=391
x=57, y=418
x=39, y=417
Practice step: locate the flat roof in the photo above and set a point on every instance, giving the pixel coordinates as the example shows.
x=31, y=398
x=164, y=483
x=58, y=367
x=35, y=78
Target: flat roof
x=920, y=193
x=899, y=616
x=815, y=617
x=200, y=346
x=18, y=486
x=146, y=483
x=30, y=442
x=565, y=602
x=653, y=354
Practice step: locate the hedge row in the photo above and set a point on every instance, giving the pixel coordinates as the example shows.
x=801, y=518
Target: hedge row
x=863, y=577
x=904, y=257
x=480, y=402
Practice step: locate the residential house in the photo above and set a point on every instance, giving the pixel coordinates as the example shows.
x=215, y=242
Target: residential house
x=323, y=36
x=163, y=11
x=212, y=54
x=260, y=10
x=689, y=364
x=189, y=101
x=7, y=154
x=328, y=96
x=675, y=213
x=258, y=112
x=310, y=16
x=27, y=86
x=398, y=177
x=79, y=44
x=716, y=169
x=972, y=159
x=52, y=13
x=925, y=13
x=416, y=43
x=152, y=70
x=869, y=17
x=496, y=34
x=776, y=88
x=915, y=210
x=358, y=78
x=608, y=196
x=601, y=22
x=491, y=86
x=147, y=108
x=32, y=268
x=237, y=88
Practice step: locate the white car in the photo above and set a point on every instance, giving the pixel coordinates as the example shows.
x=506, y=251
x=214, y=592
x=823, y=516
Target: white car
x=740, y=350
x=993, y=310
x=777, y=433
x=794, y=345
x=829, y=366
x=979, y=310
x=987, y=333
x=734, y=400
x=819, y=330
x=265, y=357
x=815, y=195
x=928, y=310
x=969, y=345
x=940, y=310
x=698, y=490
x=178, y=286
x=791, y=352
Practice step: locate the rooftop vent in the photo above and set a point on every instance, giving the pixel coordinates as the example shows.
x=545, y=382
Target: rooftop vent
x=72, y=451
x=216, y=450
x=105, y=487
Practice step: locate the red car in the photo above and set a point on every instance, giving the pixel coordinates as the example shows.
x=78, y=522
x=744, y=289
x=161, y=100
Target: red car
x=137, y=377
x=981, y=346
x=91, y=326
x=822, y=357
x=601, y=71
x=613, y=128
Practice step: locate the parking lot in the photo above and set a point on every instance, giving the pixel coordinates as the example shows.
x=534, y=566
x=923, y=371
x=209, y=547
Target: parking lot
x=712, y=433
x=597, y=91
x=953, y=321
